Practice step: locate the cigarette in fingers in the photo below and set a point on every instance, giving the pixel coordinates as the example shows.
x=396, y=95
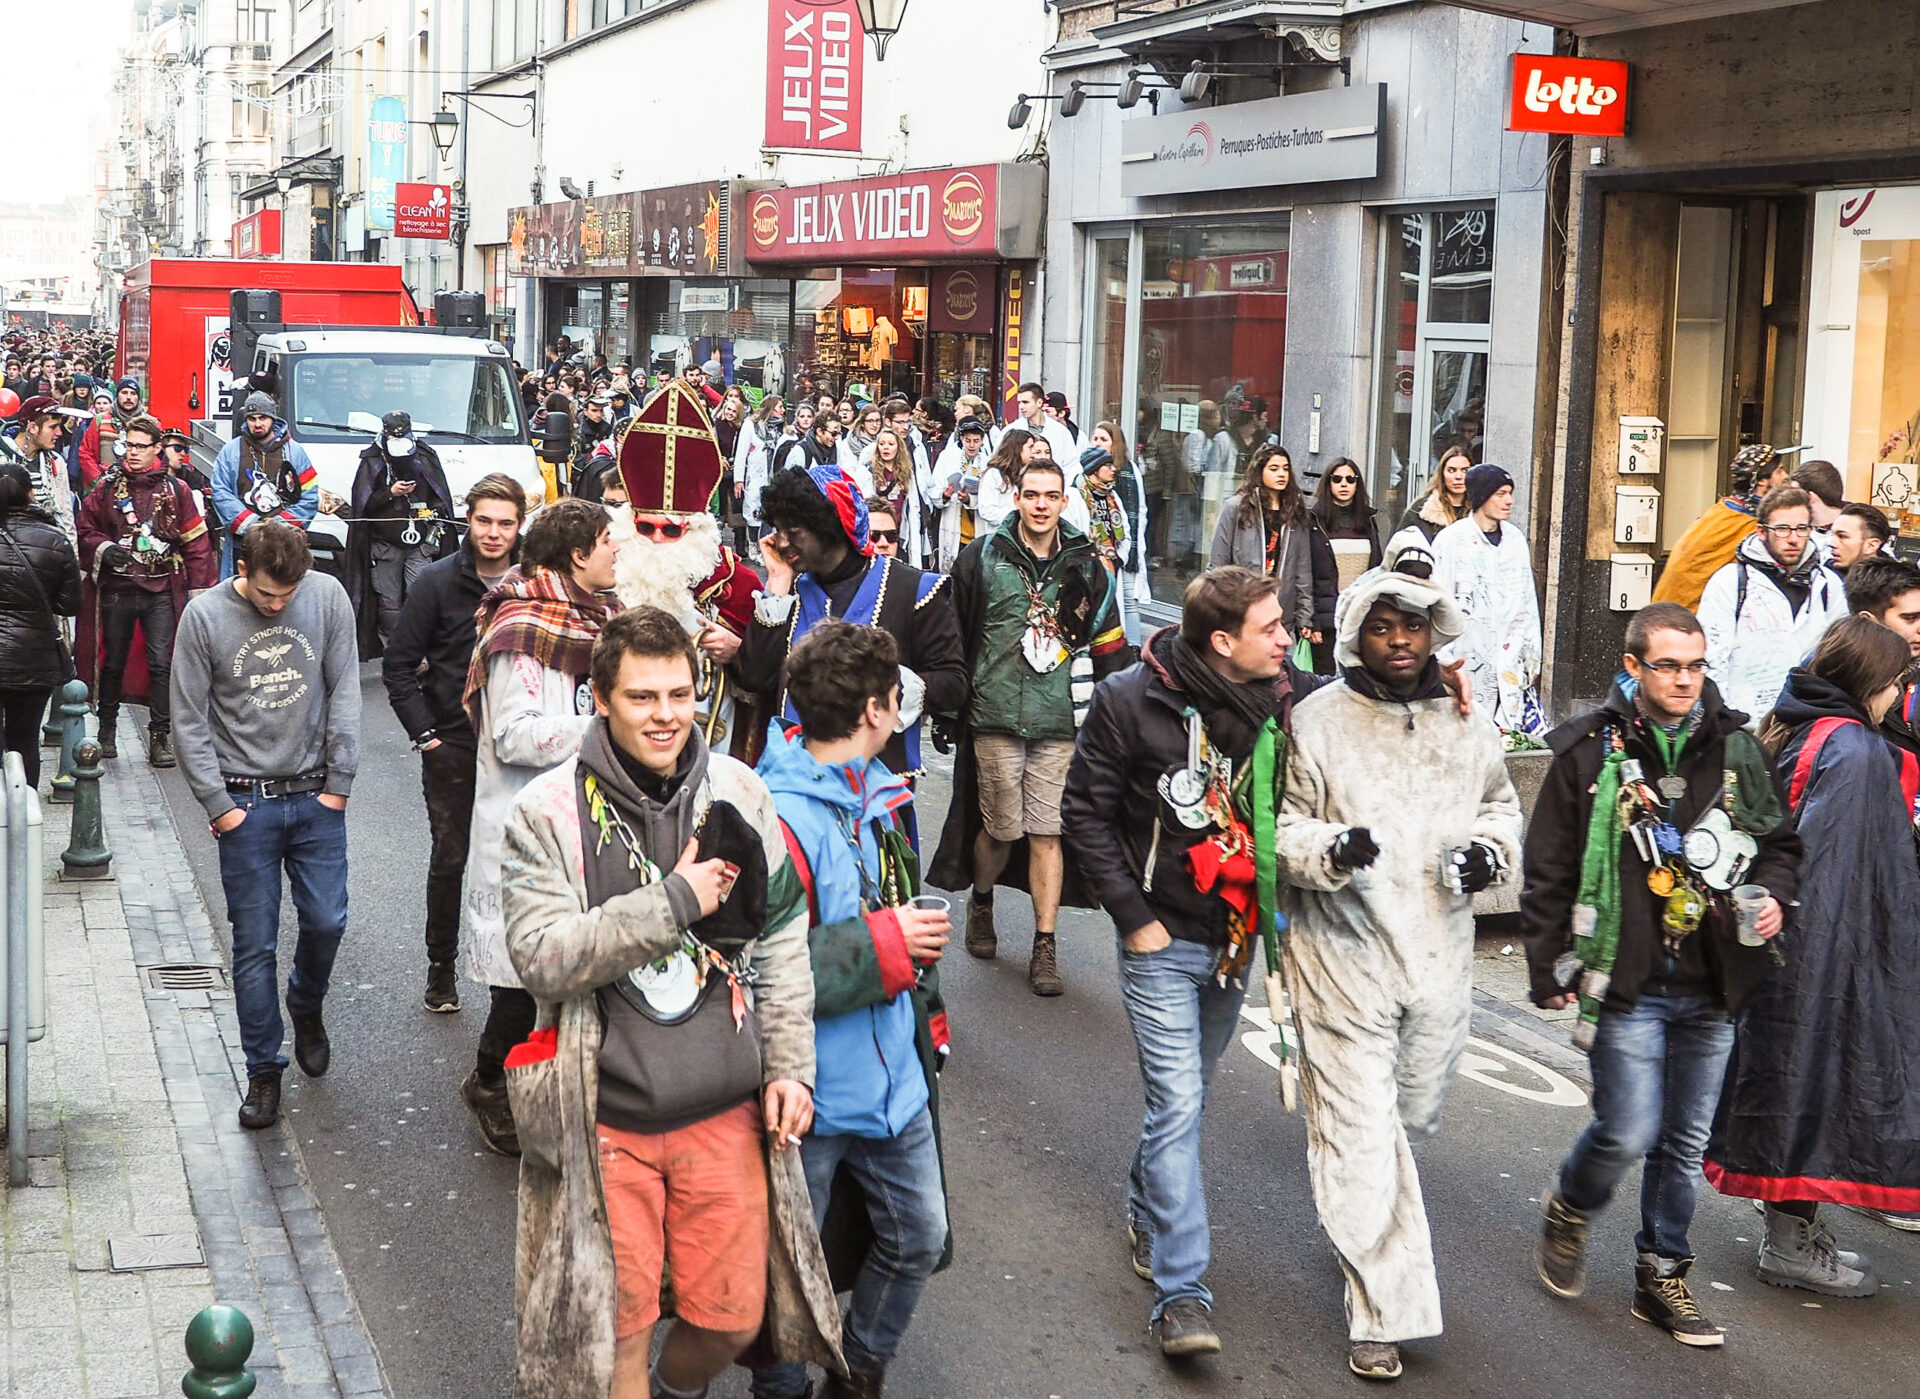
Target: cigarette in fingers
x=788, y=1139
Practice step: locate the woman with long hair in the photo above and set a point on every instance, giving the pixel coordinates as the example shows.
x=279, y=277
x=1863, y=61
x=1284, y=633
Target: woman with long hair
x=1131, y=491
x=1264, y=526
x=753, y=460
x=893, y=482
x=1017, y=448
x=854, y=443
x=1822, y=1097
x=1445, y=498
x=39, y=584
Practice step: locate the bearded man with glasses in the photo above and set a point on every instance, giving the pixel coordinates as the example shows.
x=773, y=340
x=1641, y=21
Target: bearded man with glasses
x=1766, y=611
x=1625, y=925
x=146, y=551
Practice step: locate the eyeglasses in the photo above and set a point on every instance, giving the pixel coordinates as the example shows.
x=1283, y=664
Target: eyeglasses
x=1669, y=669
x=1781, y=531
x=884, y=536
x=141, y=446
x=1343, y=480
x=659, y=529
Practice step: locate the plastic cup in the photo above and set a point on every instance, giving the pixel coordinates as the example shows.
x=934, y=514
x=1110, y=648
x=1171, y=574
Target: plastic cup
x=1748, y=900
x=932, y=903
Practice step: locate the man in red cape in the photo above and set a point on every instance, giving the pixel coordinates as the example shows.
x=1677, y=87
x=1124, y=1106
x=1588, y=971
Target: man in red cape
x=672, y=557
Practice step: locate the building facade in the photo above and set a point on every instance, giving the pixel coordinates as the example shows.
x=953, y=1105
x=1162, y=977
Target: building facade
x=1335, y=244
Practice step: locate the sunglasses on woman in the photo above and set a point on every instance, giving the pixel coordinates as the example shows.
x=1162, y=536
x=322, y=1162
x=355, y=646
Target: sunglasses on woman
x=659, y=529
x=1343, y=480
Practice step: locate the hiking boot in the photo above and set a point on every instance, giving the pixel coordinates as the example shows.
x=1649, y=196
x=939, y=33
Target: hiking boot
x=109, y=731
x=1374, y=1360
x=312, y=1050
x=493, y=1113
x=262, y=1105
x=160, y=751
x=1560, y=1255
x=1799, y=1253
x=1043, y=976
x=1661, y=1295
x=982, y=941
x=858, y=1384
x=443, y=988
x=1186, y=1328
x=1140, y=1250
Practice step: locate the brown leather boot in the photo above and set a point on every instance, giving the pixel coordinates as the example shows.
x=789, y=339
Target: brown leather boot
x=1043, y=975
x=982, y=941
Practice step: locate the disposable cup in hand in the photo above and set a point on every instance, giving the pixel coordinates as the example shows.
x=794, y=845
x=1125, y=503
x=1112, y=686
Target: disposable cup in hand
x=932, y=903
x=1748, y=900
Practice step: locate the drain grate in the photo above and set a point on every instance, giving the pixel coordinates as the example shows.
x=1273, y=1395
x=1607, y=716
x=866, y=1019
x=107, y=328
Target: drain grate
x=184, y=976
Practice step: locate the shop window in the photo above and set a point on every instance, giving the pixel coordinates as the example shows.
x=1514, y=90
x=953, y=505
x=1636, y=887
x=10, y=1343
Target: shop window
x=864, y=330
x=1213, y=335
x=1436, y=312
x=747, y=325
x=1697, y=393
x=1103, y=399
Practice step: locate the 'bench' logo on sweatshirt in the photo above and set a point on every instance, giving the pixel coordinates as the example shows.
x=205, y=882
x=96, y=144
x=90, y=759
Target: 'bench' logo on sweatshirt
x=261, y=665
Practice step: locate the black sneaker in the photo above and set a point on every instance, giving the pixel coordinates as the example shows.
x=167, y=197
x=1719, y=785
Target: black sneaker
x=1668, y=1302
x=1140, y=1250
x=443, y=988
x=1560, y=1255
x=1374, y=1360
x=312, y=1050
x=1186, y=1328
x=493, y=1113
x=262, y=1105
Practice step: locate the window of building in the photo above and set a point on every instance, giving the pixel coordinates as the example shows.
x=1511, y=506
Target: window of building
x=1436, y=327
x=253, y=22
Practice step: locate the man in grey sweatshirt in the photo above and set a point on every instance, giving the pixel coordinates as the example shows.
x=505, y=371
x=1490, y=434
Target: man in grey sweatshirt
x=266, y=703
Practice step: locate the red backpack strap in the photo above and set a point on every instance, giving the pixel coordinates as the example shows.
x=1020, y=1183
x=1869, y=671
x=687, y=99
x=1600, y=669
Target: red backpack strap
x=1910, y=779
x=804, y=870
x=1810, y=750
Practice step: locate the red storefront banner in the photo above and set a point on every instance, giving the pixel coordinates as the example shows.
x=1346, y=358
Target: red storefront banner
x=816, y=70
x=1568, y=96
x=926, y=213
x=962, y=300
x=422, y=211
x=257, y=235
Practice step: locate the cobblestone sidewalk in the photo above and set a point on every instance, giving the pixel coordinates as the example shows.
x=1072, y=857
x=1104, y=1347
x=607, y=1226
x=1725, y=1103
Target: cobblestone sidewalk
x=137, y=1158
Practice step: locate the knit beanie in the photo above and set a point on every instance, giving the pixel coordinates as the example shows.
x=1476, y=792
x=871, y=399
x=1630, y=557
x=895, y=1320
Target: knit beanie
x=259, y=402
x=1482, y=481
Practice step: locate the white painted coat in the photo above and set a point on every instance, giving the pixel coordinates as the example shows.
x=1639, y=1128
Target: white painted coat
x=1752, y=652
x=1493, y=587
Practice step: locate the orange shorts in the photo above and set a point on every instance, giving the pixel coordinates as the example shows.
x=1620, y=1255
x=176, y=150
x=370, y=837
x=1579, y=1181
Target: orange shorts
x=694, y=1200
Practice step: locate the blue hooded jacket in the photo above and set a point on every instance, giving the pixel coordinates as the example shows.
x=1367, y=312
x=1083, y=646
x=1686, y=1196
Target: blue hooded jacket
x=868, y=1078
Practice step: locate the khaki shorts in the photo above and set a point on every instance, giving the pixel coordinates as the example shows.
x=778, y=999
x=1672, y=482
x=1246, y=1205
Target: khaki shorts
x=694, y=1201
x=1020, y=783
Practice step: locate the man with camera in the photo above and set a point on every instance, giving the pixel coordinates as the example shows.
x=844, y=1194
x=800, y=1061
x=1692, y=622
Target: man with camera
x=400, y=508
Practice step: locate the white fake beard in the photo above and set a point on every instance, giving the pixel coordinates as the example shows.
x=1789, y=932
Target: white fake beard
x=663, y=573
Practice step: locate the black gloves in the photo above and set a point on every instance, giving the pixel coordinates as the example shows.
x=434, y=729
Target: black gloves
x=115, y=556
x=1353, y=849
x=1470, y=870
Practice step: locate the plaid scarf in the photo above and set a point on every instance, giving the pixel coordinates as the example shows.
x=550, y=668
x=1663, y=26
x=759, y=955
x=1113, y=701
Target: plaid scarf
x=545, y=615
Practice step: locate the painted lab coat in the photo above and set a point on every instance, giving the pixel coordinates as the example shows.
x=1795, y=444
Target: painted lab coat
x=1751, y=652
x=1493, y=586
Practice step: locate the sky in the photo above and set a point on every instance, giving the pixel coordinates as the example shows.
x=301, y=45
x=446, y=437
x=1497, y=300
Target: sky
x=75, y=46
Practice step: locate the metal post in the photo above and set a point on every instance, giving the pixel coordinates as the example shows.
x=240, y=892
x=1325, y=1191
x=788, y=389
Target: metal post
x=87, y=855
x=70, y=714
x=219, y=1340
x=17, y=970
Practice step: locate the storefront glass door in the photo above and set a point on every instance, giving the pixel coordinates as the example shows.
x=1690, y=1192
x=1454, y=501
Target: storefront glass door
x=1863, y=356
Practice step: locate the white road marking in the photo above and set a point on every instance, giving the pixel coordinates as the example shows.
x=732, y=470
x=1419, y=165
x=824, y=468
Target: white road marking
x=1484, y=1063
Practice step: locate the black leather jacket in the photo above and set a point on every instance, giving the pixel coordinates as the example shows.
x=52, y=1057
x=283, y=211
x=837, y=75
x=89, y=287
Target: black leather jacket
x=39, y=576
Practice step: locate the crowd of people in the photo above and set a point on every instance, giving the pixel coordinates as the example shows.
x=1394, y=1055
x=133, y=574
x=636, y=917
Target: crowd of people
x=672, y=721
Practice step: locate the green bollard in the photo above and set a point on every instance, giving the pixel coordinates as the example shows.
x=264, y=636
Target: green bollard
x=86, y=855
x=219, y=1340
x=70, y=711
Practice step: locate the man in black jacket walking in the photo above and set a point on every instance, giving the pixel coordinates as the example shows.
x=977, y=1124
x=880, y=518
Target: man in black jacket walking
x=425, y=669
x=1679, y=972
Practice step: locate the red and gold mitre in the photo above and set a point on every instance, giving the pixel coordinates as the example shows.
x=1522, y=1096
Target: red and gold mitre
x=670, y=459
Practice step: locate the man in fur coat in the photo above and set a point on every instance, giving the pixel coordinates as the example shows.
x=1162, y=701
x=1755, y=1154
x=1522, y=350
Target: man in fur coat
x=1380, y=954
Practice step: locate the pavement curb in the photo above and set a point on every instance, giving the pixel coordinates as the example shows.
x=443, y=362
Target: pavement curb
x=266, y=1242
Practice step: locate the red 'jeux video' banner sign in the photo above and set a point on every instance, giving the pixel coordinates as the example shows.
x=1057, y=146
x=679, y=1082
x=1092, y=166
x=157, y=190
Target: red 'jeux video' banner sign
x=816, y=57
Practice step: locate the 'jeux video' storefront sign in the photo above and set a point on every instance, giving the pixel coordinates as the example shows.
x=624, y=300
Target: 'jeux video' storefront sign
x=970, y=212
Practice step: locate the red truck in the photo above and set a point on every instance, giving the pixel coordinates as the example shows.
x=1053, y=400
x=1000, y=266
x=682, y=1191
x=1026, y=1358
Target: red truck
x=174, y=321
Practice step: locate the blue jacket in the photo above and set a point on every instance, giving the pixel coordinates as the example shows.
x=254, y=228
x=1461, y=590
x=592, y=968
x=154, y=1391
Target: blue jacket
x=869, y=1079
x=239, y=493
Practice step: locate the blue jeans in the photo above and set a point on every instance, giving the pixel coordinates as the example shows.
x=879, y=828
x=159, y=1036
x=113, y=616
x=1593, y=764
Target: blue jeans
x=310, y=840
x=1182, y=1023
x=907, y=1203
x=1657, y=1071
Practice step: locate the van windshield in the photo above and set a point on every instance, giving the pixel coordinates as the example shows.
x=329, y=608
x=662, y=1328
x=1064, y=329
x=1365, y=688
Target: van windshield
x=342, y=397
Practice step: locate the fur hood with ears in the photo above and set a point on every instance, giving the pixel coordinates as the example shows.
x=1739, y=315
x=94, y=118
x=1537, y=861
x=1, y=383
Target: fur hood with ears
x=1406, y=590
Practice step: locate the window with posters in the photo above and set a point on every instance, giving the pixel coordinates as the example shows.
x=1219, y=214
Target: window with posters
x=1436, y=319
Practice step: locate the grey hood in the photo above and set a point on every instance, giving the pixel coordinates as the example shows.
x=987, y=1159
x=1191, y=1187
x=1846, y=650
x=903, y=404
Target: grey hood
x=1405, y=590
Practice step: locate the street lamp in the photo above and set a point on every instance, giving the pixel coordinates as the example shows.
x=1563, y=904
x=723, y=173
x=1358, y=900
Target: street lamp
x=881, y=19
x=444, y=127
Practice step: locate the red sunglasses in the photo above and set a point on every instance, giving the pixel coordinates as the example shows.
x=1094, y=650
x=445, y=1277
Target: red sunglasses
x=660, y=529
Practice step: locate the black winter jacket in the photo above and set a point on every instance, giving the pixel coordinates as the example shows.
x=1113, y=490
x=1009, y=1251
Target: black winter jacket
x=1130, y=858
x=436, y=630
x=29, y=639
x=1557, y=838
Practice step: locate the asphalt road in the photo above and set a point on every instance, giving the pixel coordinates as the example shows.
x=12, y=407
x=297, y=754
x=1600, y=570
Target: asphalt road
x=1042, y=1104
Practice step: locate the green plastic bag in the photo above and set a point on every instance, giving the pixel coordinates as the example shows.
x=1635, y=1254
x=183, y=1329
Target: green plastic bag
x=1303, y=655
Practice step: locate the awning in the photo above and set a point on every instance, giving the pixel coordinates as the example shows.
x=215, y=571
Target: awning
x=1314, y=24
x=1587, y=17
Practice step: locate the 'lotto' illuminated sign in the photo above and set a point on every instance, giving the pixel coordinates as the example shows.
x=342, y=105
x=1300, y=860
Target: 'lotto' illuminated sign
x=1568, y=96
